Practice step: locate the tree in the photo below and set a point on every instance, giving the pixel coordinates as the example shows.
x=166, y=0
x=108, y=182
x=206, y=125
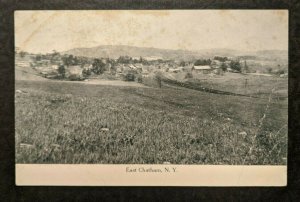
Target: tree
x=124, y=60
x=221, y=59
x=69, y=60
x=38, y=57
x=189, y=75
x=158, y=78
x=98, y=66
x=22, y=54
x=202, y=62
x=86, y=72
x=270, y=70
x=141, y=59
x=223, y=66
x=55, y=56
x=235, y=65
x=182, y=63
x=129, y=76
x=61, y=70
x=246, y=68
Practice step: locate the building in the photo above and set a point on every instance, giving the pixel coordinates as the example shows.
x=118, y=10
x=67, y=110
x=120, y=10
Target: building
x=205, y=69
x=153, y=58
x=74, y=72
x=174, y=70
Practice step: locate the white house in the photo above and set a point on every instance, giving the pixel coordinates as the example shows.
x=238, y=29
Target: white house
x=74, y=71
x=205, y=69
x=174, y=70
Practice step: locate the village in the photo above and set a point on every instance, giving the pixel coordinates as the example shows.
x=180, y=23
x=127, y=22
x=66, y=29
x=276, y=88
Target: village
x=68, y=67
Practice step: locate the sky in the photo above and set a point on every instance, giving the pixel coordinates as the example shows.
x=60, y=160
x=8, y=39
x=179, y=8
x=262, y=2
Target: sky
x=245, y=30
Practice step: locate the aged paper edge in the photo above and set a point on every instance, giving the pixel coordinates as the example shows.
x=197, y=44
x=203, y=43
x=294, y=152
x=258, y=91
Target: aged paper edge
x=119, y=175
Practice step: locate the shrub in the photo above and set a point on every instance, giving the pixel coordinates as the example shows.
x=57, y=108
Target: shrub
x=74, y=77
x=61, y=70
x=140, y=79
x=223, y=67
x=129, y=77
x=98, y=66
x=86, y=72
x=188, y=75
x=235, y=65
x=158, y=78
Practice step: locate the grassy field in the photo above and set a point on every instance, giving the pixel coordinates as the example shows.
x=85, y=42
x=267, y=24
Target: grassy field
x=75, y=123
x=257, y=86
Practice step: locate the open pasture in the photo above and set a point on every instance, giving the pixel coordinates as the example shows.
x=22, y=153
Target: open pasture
x=65, y=122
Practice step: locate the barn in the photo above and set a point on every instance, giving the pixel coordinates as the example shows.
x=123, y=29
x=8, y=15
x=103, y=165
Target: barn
x=205, y=69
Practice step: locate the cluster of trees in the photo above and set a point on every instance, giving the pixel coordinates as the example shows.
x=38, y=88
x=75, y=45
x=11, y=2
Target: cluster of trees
x=22, y=54
x=235, y=65
x=130, y=60
x=202, y=62
x=98, y=66
x=70, y=60
x=221, y=59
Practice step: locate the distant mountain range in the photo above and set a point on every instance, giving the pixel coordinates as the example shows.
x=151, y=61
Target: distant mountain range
x=115, y=51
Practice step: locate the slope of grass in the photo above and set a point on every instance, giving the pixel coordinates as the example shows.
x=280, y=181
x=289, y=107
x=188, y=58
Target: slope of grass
x=74, y=123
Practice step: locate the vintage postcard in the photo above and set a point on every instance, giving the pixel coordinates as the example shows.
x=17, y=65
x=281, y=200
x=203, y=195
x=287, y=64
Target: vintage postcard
x=151, y=97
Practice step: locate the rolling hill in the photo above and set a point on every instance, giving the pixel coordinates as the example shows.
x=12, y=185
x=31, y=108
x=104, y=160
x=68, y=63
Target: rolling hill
x=115, y=51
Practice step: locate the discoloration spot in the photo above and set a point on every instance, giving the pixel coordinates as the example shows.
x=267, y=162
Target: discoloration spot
x=282, y=15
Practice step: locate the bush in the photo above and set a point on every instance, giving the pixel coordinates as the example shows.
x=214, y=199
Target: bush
x=98, y=66
x=202, y=62
x=61, y=70
x=188, y=75
x=158, y=77
x=74, y=77
x=129, y=77
x=235, y=65
x=140, y=79
x=86, y=72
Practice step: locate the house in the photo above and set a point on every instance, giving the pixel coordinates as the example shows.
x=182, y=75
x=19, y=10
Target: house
x=87, y=67
x=22, y=64
x=74, y=72
x=174, y=70
x=131, y=66
x=139, y=67
x=205, y=69
x=145, y=73
x=153, y=58
x=55, y=67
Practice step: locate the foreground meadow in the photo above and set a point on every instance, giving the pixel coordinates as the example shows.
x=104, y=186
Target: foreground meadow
x=77, y=123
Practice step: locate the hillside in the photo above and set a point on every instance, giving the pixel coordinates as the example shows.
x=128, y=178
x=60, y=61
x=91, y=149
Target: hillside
x=132, y=51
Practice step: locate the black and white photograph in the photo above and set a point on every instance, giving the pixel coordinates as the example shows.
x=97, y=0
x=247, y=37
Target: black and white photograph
x=151, y=87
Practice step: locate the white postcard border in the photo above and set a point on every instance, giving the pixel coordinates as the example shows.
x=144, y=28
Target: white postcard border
x=149, y=175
